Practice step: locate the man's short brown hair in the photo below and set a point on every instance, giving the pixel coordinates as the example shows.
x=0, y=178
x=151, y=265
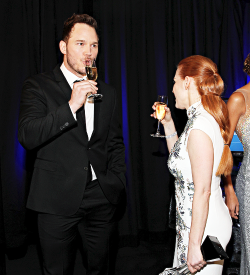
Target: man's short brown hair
x=74, y=19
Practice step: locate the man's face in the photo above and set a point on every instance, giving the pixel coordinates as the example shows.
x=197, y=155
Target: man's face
x=81, y=48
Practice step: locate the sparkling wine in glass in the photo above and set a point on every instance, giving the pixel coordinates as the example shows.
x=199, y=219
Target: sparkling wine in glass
x=92, y=74
x=160, y=113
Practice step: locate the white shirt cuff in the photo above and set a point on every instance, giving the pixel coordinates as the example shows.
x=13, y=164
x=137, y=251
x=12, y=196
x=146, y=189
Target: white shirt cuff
x=74, y=115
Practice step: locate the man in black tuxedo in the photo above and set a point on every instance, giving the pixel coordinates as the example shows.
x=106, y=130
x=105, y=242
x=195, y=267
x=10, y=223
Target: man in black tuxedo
x=78, y=177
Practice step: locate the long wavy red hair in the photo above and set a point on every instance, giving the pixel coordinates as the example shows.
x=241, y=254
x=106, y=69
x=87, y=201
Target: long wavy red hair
x=210, y=86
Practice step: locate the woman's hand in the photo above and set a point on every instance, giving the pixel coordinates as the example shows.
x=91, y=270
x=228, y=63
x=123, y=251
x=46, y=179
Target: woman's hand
x=167, y=117
x=232, y=204
x=195, y=260
x=169, y=127
x=231, y=198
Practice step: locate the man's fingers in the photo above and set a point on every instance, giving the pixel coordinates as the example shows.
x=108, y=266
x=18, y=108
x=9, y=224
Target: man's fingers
x=84, y=88
x=86, y=84
x=92, y=82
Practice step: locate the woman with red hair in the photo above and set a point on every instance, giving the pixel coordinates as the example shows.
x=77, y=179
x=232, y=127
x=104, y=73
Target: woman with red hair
x=197, y=159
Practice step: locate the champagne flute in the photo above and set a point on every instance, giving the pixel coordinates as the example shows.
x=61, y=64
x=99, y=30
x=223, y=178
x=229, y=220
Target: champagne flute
x=92, y=74
x=160, y=113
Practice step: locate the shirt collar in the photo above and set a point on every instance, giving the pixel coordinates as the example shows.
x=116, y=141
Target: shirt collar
x=70, y=77
x=192, y=109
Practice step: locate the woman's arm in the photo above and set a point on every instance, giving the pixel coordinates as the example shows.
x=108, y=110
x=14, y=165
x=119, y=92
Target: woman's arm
x=201, y=154
x=169, y=127
x=236, y=108
x=231, y=199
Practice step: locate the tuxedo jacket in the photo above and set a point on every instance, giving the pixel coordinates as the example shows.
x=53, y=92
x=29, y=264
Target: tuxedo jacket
x=63, y=151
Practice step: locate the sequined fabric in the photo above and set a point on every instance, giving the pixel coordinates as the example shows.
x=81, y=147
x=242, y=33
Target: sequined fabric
x=184, y=188
x=219, y=222
x=243, y=185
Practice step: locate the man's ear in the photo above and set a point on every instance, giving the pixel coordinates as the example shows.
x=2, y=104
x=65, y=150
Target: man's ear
x=62, y=47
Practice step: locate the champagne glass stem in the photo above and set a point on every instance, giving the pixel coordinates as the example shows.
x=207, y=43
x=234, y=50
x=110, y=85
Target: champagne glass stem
x=160, y=113
x=158, y=128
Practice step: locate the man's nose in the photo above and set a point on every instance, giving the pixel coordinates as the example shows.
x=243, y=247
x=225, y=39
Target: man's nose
x=87, y=50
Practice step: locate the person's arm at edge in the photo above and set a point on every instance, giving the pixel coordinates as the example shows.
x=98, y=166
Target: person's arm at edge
x=236, y=108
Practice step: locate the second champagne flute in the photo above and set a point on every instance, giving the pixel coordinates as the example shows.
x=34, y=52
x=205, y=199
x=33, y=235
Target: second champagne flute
x=160, y=113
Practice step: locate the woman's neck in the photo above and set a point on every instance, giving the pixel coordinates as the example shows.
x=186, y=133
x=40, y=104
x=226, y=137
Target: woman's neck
x=193, y=97
x=246, y=87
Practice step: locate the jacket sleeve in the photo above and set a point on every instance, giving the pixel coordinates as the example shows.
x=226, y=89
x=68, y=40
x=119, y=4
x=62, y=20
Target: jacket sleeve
x=39, y=123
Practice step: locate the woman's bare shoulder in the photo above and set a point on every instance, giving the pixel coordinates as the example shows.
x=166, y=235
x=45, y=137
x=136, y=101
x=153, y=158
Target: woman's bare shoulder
x=237, y=97
x=236, y=103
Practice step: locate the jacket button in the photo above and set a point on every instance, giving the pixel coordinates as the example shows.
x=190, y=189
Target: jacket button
x=61, y=127
x=85, y=168
x=66, y=124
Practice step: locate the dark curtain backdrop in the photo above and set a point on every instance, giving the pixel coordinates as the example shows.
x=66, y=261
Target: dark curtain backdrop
x=141, y=42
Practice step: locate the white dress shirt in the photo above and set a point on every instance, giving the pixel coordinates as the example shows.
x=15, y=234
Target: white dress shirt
x=88, y=107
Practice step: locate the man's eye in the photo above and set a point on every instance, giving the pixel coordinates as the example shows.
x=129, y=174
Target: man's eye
x=80, y=43
x=173, y=81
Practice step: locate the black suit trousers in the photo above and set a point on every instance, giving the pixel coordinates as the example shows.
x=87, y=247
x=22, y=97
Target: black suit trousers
x=96, y=225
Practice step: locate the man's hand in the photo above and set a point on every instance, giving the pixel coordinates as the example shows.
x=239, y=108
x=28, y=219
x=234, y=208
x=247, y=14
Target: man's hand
x=80, y=92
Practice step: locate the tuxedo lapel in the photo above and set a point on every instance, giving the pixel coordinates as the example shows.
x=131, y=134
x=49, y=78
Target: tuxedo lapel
x=62, y=82
x=80, y=115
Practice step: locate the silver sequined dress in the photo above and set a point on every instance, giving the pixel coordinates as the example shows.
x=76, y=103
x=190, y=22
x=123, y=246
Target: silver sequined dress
x=243, y=185
x=219, y=223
